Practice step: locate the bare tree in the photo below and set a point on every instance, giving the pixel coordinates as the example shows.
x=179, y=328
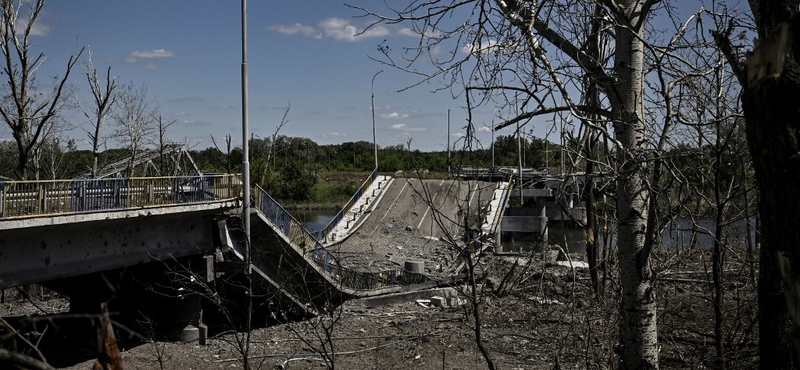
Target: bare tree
x=506, y=41
x=48, y=141
x=162, y=143
x=274, y=139
x=54, y=158
x=709, y=109
x=134, y=121
x=228, y=151
x=24, y=108
x=104, y=96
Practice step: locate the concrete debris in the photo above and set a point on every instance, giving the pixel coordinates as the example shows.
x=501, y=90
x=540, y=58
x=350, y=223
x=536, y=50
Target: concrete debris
x=554, y=253
x=551, y=255
x=492, y=283
x=573, y=264
x=541, y=300
x=437, y=301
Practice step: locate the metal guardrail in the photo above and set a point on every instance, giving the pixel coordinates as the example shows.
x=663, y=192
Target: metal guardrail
x=502, y=206
x=20, y=199
x=310, y=247
x=323, y=233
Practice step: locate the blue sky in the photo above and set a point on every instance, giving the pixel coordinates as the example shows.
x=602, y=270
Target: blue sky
x=188, y=54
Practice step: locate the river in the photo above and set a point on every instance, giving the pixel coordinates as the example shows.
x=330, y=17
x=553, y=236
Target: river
x=677, y=235
x=314, y=220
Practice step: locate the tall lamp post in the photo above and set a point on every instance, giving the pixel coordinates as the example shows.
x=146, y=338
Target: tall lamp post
x=449, y=166
x=374, y=140
x=245, y=144
x=448, y=144
x=492, y=146
x=519, y=154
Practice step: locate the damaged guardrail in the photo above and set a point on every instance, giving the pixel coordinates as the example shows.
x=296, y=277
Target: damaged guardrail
x=310, y=247
x=323, y=233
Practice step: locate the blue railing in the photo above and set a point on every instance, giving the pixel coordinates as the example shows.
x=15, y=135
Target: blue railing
x=323, y=233
x=309, y=246
x=58, y=197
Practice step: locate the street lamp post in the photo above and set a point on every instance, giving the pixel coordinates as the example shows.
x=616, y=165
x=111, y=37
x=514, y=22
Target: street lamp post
x=493, y=167
x=245, y=144
x=448, y=144
x=374, y=140
x=519, y=154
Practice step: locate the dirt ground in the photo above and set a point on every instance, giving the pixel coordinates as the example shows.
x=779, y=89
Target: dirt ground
x=536, y=315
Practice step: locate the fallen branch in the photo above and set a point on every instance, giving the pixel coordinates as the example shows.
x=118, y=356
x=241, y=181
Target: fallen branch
x=23, y=360
x=680, y=280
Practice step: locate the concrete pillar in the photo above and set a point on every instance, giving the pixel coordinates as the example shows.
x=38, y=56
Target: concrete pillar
x=413, y=271
x=543, y=225
x=498, y=240
x=190, y=334
x=203, y=333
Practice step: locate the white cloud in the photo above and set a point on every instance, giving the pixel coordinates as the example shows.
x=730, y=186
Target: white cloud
x=334, y=135
x=296, y=28
x=342, y=30
x=484, y=47
x=406, y=128
x=335, y=28
x=490, y=46
x=437, y=50
x=408, y=32
x=411, y=33
x=148, y=54
x=394, y=115
x=38, y=29
x=484, y=129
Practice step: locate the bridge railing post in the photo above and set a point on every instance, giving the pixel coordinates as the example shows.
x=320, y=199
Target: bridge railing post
x=3, y=199
x=41, y=201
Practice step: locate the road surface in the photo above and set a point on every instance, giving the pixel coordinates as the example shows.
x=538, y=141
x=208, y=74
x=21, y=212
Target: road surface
x=413, y=222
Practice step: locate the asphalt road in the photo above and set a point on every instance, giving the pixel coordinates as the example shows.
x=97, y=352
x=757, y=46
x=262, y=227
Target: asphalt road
x=413, y=220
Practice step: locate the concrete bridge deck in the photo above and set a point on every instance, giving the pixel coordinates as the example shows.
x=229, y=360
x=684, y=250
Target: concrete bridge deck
x=420, y=221
x=57, y=229
x=72, y=229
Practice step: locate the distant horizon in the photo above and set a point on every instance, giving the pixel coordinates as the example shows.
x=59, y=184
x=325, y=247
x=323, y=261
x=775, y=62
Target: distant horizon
x=239, y=147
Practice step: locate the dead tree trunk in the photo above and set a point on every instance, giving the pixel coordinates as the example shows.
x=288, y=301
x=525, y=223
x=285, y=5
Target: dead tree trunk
x=108, y=357
x=773, y=128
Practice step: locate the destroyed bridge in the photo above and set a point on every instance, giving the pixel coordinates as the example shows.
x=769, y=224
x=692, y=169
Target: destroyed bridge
x=159, y=244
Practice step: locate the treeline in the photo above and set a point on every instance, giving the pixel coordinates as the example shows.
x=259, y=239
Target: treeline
x=296, y=169
x=289, y=167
